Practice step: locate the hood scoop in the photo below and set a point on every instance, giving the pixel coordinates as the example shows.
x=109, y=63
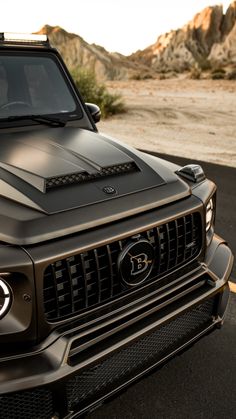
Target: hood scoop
x=76, y=178
x=50, y=159
x=44, y=165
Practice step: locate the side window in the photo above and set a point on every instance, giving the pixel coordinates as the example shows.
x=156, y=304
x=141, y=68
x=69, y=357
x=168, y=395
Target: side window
x=3, y=85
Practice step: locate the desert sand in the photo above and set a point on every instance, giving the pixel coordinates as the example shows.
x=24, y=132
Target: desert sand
x=189, y=118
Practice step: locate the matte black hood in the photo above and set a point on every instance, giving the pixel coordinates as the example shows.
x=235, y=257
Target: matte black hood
x=42, y=166
x=56, y=170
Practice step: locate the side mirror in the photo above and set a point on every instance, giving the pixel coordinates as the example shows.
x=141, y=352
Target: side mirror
x=94, y=111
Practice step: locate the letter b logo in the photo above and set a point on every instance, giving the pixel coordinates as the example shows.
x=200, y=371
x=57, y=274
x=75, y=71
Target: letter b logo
x=139, y=263
x=135, y=262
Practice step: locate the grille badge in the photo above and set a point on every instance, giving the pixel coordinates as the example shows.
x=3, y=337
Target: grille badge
x=5, y=300
x=135, y=262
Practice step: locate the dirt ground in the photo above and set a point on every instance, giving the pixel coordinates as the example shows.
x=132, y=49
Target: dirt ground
x=195, y=119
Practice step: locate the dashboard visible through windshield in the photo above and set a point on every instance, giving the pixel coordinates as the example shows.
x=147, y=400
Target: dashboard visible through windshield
x=34, y=84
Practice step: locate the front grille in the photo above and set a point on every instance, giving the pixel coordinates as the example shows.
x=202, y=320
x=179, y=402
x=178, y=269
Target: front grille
x=85, y=280
x=55, y=182
x=122, y=366
x=35, y=404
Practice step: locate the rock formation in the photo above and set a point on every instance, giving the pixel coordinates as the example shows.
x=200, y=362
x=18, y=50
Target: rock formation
x=77, y=52
x=223, y=53
x=208, y=40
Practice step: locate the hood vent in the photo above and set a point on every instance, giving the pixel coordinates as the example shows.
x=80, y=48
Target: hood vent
x=75, y=178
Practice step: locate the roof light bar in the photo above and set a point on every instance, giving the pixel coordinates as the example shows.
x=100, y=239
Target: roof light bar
x=23, y=38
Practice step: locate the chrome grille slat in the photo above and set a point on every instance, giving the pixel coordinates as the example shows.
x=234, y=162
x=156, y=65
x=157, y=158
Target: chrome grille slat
x=158, y=247
x=98, y=275
x=168, y=245
x=88, y=279
x=85, y=280
x=177, y=242
x=110, y=269
x=184, y=225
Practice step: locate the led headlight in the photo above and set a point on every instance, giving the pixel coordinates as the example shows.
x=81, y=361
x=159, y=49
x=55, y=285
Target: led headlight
x=5, y=298
x=209, y=214
x=210, y=219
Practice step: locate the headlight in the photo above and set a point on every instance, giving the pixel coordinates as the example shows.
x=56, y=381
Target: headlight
x=5, y=298
x=210, y=219
x=209, y=215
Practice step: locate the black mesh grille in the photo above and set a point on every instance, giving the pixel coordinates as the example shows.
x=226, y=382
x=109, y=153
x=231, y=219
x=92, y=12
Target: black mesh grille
x=90, y=278
x=55, y=182
x=120, y=367
x=36, y=404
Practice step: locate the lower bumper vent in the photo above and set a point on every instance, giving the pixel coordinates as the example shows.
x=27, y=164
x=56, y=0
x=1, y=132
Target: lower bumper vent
x=35, y=404
x=95, y=382
x=119, y=368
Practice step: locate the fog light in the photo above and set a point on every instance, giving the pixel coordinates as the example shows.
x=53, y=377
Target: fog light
x=5, y=298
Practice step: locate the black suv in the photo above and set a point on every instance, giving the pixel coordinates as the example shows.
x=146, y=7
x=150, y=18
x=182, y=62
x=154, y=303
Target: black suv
x=109, y=264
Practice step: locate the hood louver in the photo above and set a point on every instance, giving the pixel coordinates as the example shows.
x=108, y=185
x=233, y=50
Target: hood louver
x=75, y=178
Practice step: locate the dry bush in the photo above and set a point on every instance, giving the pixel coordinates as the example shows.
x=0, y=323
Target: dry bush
x=195, y=73
x=94, y=92
x=231, y=75
x=218, y=74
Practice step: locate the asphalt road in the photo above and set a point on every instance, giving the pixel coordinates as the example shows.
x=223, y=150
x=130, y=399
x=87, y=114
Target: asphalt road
x=200, y=383
x=225, y=179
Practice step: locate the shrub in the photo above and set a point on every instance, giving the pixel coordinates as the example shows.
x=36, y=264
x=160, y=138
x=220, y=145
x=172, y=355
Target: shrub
x=141, y=76
x=136, y=76
x=195, y=73
x=204, y=64
x=231, y=75
x=218, y=74
x=97, y=93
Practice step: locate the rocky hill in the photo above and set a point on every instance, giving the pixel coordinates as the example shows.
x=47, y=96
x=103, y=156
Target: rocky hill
x=77, y=52
x=206, y=42
x=209, y=40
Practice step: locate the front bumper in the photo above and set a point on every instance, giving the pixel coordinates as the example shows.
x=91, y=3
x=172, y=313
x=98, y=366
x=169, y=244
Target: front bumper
x=79, y=368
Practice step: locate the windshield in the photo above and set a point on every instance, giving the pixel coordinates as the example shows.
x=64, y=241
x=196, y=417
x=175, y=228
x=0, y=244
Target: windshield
x=34, y=84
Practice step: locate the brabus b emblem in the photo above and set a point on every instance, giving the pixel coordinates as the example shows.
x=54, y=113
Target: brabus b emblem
x=139, y=263
x=109, y=190
x=135, y=262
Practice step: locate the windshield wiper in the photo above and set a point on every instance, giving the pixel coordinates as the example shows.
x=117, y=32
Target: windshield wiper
x=41, y=119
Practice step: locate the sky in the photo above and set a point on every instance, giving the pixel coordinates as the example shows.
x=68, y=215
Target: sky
x=118, y=25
